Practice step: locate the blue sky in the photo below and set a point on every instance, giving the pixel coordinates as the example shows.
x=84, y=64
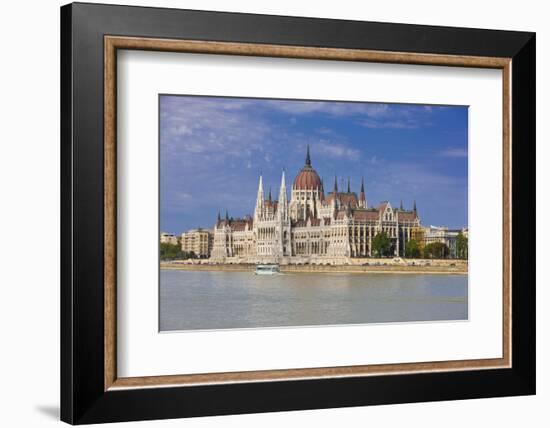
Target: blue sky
x=212, y=151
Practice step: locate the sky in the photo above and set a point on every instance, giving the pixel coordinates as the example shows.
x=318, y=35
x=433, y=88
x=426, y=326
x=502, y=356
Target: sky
x=213, y=149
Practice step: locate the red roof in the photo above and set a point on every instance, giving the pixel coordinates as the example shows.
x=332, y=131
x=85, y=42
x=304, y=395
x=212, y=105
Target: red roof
x=350, y=198
x=366, y=215
x=382, y=206
x=407, y=216
x=340, y=214
x=307, y=178
x=344, y=198
x=237, y=224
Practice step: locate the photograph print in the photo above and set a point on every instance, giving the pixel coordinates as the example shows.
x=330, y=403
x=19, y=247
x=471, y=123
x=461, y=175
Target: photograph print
x=295, y=213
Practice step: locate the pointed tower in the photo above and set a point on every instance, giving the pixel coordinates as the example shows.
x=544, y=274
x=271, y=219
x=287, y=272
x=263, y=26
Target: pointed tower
x=283, y=221
x=349, y=186
x=282, y=207
x=322, y=191
x=259, y=210
x=314, y=206
x=401, y=205
x=269, y=197
x=334, y=201
x=414, y=207
x=308, y=158
x=362, y=198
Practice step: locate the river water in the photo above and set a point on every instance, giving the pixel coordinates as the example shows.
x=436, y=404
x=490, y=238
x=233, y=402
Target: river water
x=191, y=300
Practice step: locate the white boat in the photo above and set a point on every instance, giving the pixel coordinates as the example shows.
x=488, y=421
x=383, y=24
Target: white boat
x=271, y=269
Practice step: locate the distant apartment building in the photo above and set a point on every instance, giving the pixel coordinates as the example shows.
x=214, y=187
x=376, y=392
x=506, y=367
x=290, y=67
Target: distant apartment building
x=168, y=238
x=198, y=241
x=445, y=236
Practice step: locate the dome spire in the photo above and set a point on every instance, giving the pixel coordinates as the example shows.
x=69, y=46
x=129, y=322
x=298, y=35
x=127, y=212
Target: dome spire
x=308, y=158
x=307, y=178
x=349, y=186
x=335, y=185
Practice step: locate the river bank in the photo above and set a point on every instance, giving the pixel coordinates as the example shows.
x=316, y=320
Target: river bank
x=442, y=267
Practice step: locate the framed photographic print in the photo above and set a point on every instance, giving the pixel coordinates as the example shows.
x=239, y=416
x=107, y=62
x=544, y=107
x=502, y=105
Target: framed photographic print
x=265, y=213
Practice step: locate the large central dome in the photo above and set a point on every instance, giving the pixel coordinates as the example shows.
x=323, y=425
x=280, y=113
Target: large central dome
x=307, y=178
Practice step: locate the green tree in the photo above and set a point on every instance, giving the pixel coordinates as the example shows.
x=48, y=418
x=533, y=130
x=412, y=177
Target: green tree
x=461, y=246
x=170, y=252
x=436, y=250
x=412, y=249
x=381, y=244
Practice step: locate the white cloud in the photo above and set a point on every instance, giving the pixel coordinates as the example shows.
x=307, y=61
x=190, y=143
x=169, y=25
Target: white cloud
x=182, y=130
x=216, y=126
x=337, y=150
x=389, y=124
x=389, y=116
x=452, y=152
x=329, y=108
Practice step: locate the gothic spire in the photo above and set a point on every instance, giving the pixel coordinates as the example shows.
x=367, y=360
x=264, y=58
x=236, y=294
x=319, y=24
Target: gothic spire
x=260, y=195
x=261, y=186
x=269, y=197
x=308, y=158
x=282, y=188
x=283, y=202
x=401, y=206
x=219, y=218
x=362, y=198
x=349, y=186
x=226, y=215
x=414, y=206
x=335, y=185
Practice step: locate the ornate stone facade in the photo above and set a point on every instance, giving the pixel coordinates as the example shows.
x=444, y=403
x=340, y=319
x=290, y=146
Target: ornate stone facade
x=311, y=227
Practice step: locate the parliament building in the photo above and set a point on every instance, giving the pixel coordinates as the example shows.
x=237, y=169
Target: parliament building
x=311, y=227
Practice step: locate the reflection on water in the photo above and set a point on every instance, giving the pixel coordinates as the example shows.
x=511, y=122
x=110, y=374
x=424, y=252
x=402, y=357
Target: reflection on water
x=191, y=300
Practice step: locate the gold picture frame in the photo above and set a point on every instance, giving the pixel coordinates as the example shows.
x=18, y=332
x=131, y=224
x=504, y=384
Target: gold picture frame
x=114, y=43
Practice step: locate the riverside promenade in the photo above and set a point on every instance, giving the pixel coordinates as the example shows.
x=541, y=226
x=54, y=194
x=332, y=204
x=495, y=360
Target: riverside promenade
x=397, y=265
